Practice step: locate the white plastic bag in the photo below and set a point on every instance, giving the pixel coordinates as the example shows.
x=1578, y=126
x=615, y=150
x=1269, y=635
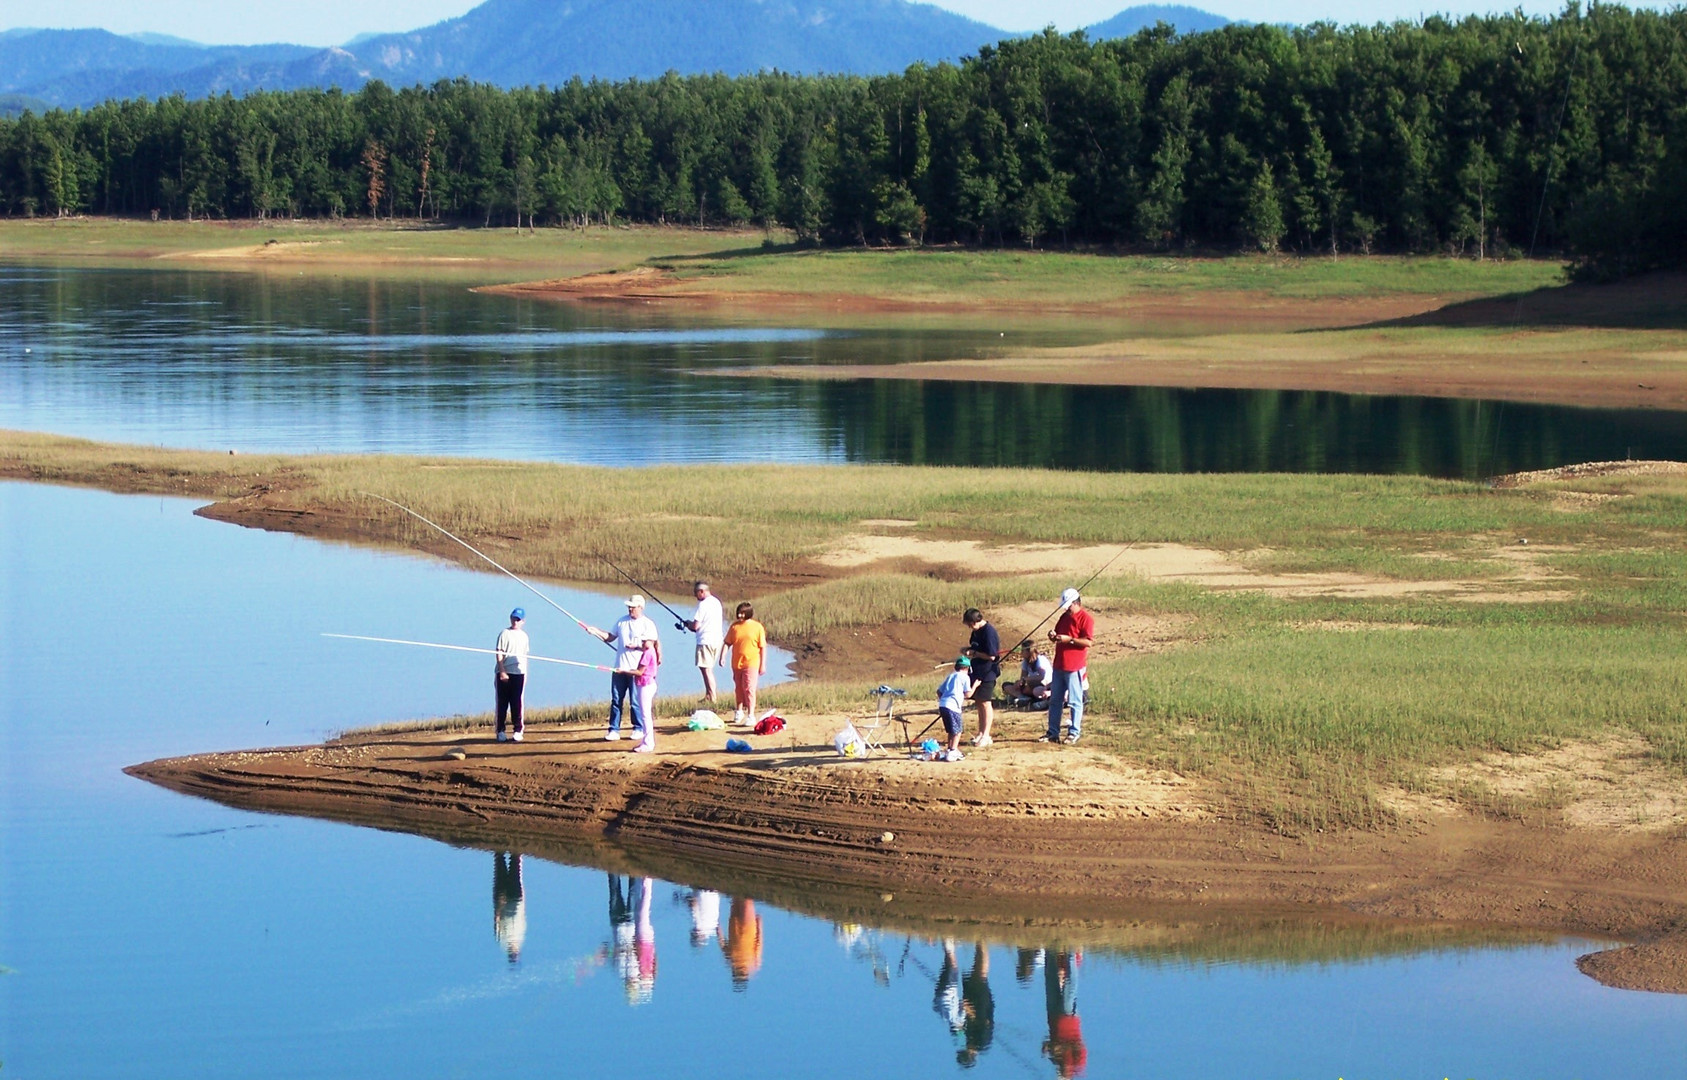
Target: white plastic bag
x=705, y=720
x=849, y=742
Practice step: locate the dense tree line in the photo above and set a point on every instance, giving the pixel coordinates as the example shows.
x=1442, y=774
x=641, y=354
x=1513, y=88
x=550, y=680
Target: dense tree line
x=1482, y=136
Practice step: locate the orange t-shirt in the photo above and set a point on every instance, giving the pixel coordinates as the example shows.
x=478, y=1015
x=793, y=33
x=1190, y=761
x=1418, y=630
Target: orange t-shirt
x=746, y=639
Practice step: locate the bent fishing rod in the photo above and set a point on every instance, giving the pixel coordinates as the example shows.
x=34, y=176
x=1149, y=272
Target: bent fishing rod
x=1020, y=644
x=1087, y=581
x=467, y=649
x=680, y=621
x=500, y=567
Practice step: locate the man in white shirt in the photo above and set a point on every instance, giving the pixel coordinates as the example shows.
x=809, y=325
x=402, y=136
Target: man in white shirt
x=709, y=626
x=509, y=665
x=630, y=629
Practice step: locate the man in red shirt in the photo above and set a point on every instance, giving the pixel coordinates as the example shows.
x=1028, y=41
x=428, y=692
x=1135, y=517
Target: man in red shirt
x=1073, y=634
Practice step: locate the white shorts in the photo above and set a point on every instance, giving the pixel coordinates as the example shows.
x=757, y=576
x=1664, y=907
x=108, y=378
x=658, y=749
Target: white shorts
x=708, y=655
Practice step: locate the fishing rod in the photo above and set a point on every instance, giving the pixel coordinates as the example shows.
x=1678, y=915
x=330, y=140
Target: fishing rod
x=680, y=621
x=502, y=569
x=465, y=648
x=1021, y=643
x=1104, y=568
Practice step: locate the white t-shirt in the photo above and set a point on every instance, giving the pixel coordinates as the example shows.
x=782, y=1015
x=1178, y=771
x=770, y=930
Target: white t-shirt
x=628, y=630
x=1039, y=668
x=710, y=622
x=513, y=644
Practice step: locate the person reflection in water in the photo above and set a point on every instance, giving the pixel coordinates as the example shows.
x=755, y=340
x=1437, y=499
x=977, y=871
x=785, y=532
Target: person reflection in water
x=640, y=975
x=705, y=916
x=742, y=943
x=946, y=998
x=1026, y=963
x=1065, y=1045
x=509, y=907
x=623, y=951
x=978, y=1008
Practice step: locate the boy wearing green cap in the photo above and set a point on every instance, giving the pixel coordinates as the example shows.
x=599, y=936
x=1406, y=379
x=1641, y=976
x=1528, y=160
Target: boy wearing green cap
x=951, y=700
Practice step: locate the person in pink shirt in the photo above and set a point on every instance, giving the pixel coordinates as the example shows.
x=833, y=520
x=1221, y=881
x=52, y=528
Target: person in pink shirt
x=644, y=685
x=1073, y=634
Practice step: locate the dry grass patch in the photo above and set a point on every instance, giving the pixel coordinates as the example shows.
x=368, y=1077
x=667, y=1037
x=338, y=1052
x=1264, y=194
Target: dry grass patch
x=1611, y=782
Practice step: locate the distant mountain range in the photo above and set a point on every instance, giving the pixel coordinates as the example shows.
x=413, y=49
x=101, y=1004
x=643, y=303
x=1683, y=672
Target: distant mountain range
x=528, y=42
x=1185, y=20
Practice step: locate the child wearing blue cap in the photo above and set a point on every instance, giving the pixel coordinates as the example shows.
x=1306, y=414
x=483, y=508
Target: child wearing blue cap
x=509, y=665
x=951, y=700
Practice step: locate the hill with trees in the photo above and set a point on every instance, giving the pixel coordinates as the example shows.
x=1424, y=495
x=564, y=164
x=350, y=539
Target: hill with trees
x=1484, y=136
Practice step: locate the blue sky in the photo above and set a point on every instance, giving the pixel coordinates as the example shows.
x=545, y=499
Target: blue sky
x=332, y=22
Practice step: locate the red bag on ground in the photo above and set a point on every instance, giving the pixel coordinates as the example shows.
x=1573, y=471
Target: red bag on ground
x=769, y=725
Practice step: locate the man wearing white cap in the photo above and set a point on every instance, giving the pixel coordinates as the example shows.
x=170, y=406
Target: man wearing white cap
x=1073, y=634
x=631, y=630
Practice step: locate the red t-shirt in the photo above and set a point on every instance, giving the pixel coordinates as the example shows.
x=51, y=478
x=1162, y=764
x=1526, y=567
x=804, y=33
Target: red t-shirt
x=1071, y=623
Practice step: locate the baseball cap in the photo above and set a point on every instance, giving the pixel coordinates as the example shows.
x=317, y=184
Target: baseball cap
x=519, y=613
x=1069, y=597
x=635, y=600
x=961, y=661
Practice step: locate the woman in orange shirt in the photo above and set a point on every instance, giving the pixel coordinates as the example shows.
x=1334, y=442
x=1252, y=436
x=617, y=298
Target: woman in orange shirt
x=747, y=639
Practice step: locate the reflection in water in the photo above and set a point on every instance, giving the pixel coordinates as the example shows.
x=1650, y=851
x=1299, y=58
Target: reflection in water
x=705, y=916
x=1065, y=1044
x=979, y=1006
x=509, y=904
x=743, y=941
x=633, y=936
x=966, y=1004
x=1163, y=430
x=257, y=363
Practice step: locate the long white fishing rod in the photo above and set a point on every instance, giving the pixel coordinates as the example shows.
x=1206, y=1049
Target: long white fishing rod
x=501, y=568
x=465, y=648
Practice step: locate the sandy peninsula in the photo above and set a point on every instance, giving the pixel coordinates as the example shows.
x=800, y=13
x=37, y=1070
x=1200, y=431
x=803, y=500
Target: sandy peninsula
x=1021, y=830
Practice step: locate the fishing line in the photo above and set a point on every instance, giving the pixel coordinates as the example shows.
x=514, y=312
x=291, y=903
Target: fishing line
x=465, y=648
x=503, y=569
x=1021, y=644
x=1104, y=568
x=680, y=623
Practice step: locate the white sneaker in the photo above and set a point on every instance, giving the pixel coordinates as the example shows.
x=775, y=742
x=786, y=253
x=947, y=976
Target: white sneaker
x=613, y=736
x=515, y=736
x=738, y=717
x=983, y=740
x=952, y=755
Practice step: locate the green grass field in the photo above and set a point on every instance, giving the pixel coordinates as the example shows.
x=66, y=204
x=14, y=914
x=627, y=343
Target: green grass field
x=1072, y=278
x=1301, y=709
x=737, y=261
x=387, y=249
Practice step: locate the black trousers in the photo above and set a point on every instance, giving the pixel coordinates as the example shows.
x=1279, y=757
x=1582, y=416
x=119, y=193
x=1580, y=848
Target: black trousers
x=509, y=700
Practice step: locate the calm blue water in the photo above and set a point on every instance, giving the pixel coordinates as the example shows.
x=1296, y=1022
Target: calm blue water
x=146, y=934
x=252, y=362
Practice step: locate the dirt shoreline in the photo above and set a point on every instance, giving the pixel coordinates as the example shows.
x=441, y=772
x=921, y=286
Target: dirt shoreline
x=1540, y=359
x=1020, y=830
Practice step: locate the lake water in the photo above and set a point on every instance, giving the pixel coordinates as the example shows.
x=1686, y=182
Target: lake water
x=146, y=934
x=253, y=362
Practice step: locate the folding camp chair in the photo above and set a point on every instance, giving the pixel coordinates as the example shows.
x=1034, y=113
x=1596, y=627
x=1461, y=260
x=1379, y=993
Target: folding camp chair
x=874, y=731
